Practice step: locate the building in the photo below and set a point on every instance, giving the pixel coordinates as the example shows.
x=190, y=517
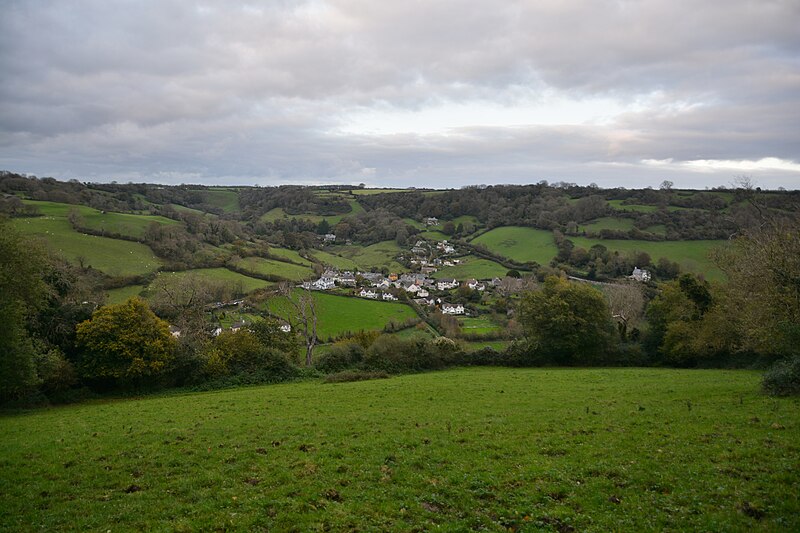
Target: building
x=450, y=309
x=367, y=293
x=388, y=296
x=446, y=284
x=640, y=275
x=323, y=284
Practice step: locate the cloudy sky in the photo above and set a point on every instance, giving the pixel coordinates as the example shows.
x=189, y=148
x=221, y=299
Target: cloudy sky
x=412, y=93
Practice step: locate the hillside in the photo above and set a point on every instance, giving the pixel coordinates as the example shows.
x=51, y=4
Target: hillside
x=489, y=449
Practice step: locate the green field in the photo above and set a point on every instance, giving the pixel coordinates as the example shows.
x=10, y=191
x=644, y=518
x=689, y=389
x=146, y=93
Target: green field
x=376, y=255
x=479, y=325
x=472, y=267
x=339, y=314
x=612, y=223
x=433, y=235
x=617, y=204
x=225, y=199
x=520, y=244
x=278, y=213
x=370, y=192
x=126, y=224
x=476, y=449
x=333, y=260
x=267, y=267
x=691, y=255
x=118, y=296
x=240, y=283
x=112, y=256
x=291, y=255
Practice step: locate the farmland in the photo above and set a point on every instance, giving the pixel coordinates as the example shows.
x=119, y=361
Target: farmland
x=114, y=257
x=340, y=314
x=376, y=255
x=520, y=244
x=270, y=267
x=491, y=449
x=618, y=224
x=691, y=255
x=472, y=267
x=241, y=284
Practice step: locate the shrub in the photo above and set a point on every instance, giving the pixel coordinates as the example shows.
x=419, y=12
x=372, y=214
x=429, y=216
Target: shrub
x=783, y=378
x=341, y=356
x=355, y=375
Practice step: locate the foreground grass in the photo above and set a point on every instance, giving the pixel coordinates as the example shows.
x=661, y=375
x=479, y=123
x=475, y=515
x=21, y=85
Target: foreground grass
x=493, y=449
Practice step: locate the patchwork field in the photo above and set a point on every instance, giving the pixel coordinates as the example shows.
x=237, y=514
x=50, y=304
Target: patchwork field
x=475, y=449
x=691, y=255
x=267, y=267
x=339, y=314
x=520, y=244
x=112, y=256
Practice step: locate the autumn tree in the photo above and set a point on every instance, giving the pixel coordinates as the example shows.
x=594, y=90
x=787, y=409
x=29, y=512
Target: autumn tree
x=566, y=323
x=125, y=344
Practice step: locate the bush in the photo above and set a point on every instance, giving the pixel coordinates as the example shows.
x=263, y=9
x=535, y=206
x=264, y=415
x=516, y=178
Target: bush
x=355, y=375
x=783, y=378
x=341, y=356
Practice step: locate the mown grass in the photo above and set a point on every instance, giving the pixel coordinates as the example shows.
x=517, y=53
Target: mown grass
x=691, y=255
x=483, y=449
x=112, y=256
x=340, y=314
x=520, y=243
x=472, y=267
x=267, y=267
x=240, y=283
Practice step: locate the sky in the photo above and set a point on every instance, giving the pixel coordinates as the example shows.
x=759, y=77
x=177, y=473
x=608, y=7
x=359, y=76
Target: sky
x=437, y=93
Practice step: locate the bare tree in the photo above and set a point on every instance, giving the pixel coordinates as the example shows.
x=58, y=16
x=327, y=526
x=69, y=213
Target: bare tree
x=302, y=316
x=626, y=303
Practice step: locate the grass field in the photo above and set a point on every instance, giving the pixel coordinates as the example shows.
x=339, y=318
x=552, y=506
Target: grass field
x=479, y=325
x=118, y=296
x=691, y=255
x=370, y=192
x=619, y=224
x=472, y=267
x=259, y=265
x=520, y=244
x=278, y=213
x=121, y=223
x=339, y=314
x=241, y=283
x=334, y=260
x=475, y=449
x=225, y=199
x=376, y=255
x=291, y=255
x=112, y=256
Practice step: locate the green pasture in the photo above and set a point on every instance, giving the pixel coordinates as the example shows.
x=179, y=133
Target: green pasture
x=291, y=255
x=240, y=283
x=433, y=235
x=370, y=192
x=610, y=223
x=491, y=449
x=278, y=213
x=339, y=314
x=481, y=324
x=472, y=267
x=271, y=267
x=691, y=255
x=334, y=260
x=122, y=294
x=520, y=243
x=112, y=256
x=376, y=255
x=222, y=198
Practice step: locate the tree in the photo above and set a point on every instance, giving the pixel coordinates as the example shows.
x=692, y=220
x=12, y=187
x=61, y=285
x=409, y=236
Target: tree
x=566, y=323
x=626, y=303
x=301, y=314
x=125, y=343
x=22, y=266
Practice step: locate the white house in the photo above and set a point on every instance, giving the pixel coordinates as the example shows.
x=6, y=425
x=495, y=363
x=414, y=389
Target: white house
x=475, y=285
x=450, y=309
x=446, y=284
x=388, y=296
x=640, y=274
x=329, y=237
x=365, y=293
x=286, y=328
x=323, y=284
x=431, y=221
x=422, y=293
x=413, y=289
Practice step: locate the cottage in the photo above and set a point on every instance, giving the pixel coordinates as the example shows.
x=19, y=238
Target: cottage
x=450, y=309
x=640, y=275
x=431, y=221
x=323, y=284
x=422, y=293
x=366, y=293
x=329, y=237
x=388, y=296
x=446, y=284
x=475, y=285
